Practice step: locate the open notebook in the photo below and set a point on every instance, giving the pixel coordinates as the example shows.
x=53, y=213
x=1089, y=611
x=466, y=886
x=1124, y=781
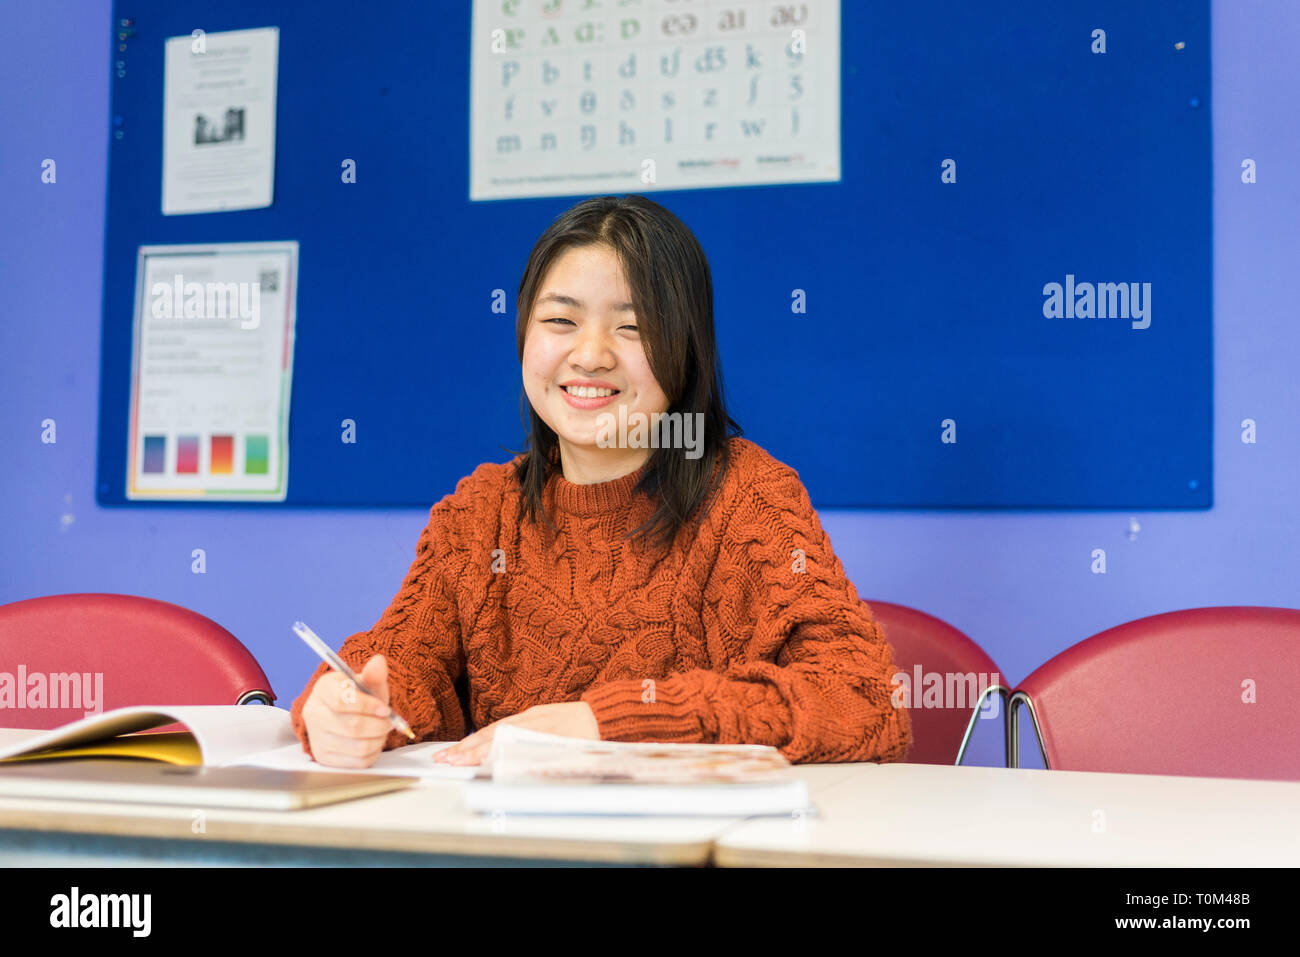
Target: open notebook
x=217, y=736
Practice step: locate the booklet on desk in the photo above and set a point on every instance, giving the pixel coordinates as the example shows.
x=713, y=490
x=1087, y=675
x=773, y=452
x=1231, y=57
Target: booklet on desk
x=219, y=735
x=536, y=773
x=214, y=762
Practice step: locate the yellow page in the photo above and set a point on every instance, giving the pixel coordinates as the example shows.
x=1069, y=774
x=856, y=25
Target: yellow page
x=174, y=747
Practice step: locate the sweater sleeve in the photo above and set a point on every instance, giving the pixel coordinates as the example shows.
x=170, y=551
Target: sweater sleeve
x=419, y=634
x=799, y=663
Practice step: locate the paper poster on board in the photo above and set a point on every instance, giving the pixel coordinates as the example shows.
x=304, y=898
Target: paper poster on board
x=579, y=99
x=219, y=92
x=212, y=369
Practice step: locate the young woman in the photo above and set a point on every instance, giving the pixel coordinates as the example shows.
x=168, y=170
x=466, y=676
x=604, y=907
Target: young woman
x=638, y=573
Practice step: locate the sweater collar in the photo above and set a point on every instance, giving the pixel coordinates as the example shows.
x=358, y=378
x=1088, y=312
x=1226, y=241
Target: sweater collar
x=598, y=498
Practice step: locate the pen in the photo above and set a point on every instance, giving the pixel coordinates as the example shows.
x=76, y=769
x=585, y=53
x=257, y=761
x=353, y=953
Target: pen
x=341, y=666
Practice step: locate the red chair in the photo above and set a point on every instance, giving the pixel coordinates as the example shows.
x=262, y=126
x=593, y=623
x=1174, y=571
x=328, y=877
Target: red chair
x=1171, y=694
x=926, y=646
x=148, y=652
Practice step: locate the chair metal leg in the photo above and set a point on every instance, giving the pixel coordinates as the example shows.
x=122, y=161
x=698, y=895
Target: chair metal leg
x=970, y=726
x=1013, y=730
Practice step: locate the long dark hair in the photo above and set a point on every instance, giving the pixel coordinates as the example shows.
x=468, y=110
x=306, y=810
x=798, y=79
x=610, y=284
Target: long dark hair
x=672, y=293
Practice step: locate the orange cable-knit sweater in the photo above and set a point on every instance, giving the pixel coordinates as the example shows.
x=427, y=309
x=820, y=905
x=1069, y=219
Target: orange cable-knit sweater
x=729, y=635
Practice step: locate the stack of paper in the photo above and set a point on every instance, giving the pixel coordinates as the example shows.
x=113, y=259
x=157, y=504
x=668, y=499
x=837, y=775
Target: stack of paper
x=536, y=773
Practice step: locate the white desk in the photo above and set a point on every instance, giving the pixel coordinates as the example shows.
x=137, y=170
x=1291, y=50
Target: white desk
x=869, y=814
x=894, y=814
x=428, y=820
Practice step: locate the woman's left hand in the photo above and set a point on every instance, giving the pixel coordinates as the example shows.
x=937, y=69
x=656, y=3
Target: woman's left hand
x=573, y=719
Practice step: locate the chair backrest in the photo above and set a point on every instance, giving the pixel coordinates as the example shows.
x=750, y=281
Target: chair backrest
x=950, y=684
x=1203, y=691
x=62, y=656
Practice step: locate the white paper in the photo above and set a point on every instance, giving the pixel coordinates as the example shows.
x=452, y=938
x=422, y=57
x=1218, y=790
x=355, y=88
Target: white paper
x=212, y=367
x=413, y=760
x=576, y=99
x=219, y=96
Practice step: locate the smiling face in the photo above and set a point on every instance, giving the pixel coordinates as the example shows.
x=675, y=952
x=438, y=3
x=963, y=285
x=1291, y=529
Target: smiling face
x=583, y=333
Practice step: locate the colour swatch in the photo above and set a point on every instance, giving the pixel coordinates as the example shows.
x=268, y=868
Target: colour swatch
x=155, y=453
x=187, y=454
x=222, y=461
x=256, y=454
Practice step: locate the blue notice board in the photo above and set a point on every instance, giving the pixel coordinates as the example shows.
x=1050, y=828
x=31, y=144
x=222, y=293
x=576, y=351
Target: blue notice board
x=987, y=151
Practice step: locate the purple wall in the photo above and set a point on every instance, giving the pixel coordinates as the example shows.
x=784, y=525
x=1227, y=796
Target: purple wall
x=1018, y=583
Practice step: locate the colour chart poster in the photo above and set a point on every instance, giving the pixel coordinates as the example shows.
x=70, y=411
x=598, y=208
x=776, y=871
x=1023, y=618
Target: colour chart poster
x=211, y=371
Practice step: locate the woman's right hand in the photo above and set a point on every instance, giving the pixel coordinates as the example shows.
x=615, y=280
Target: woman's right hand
x=344, y=725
